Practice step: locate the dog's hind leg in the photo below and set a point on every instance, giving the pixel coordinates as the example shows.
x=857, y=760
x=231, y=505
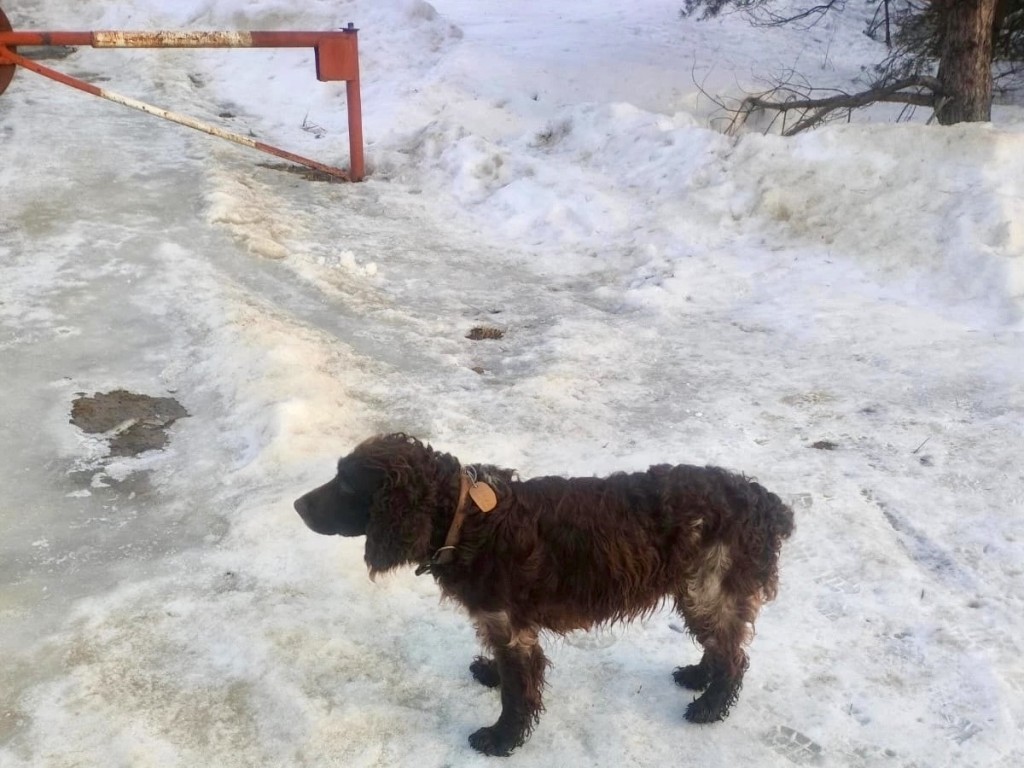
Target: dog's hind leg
x=720, y=671
x=721, y=617
x=520, y=664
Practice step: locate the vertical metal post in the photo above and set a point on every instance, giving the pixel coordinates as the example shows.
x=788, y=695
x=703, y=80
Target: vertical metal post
x=355, y=114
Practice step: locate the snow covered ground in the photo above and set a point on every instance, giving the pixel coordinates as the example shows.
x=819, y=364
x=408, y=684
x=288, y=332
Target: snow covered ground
x=667, y=294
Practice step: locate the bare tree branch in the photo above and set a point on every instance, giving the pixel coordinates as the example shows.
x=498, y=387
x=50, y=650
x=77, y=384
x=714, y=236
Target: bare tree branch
x=784, y=98
x=759, y=12
x=814, y=13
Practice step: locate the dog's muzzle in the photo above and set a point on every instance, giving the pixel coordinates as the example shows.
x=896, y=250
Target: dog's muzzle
x=313, y=508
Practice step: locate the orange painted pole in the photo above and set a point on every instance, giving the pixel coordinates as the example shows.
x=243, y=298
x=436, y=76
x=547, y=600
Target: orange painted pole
x=355, y=112
x=355, y=131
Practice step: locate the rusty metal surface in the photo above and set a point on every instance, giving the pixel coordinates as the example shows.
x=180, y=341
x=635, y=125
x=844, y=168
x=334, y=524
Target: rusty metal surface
x=6, y=69
x=173, y=39
x=164, y=39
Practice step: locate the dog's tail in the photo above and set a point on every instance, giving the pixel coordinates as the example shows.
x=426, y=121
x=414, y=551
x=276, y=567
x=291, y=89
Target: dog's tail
x=777, y=525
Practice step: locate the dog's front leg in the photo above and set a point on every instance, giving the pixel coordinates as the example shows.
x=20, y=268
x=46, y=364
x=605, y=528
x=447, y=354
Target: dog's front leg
x=520, y=665
x=485, y=671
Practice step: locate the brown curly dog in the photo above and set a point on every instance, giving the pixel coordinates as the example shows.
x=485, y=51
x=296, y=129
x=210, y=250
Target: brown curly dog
x=563, y=554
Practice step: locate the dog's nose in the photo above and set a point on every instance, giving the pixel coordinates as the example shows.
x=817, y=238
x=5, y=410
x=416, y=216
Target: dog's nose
x=301, y=506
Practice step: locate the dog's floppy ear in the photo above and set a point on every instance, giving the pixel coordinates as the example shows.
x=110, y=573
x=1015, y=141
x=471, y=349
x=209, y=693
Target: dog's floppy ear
x=400, y=524
x=354, y=489
x=357, y=477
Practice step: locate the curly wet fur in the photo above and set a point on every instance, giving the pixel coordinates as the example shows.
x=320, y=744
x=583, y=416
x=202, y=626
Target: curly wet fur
x=562, y=554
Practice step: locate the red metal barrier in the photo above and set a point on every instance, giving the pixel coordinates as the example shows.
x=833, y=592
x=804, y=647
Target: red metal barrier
x=337, y=58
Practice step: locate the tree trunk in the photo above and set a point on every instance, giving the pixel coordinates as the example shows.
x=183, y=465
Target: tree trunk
x=965, y=64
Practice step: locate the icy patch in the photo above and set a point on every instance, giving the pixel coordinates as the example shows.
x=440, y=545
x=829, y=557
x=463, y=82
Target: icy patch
x=347, y=261
x=244, y=206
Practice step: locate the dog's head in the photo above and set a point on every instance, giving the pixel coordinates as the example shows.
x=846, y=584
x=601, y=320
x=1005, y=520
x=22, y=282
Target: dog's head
x=341, y=506
x=393, y=489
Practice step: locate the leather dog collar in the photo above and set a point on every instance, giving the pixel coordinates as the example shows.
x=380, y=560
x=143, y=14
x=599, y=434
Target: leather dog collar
x=483, y=497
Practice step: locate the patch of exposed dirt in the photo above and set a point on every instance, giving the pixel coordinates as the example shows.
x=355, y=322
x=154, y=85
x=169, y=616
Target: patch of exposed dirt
x=482, y=332
x=132, y=423
x=309, y=174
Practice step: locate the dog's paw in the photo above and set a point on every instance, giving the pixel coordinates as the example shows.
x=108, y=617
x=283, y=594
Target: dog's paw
x=485, y=672
x=492, y=741
x=701, y=710
x=694, y=677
